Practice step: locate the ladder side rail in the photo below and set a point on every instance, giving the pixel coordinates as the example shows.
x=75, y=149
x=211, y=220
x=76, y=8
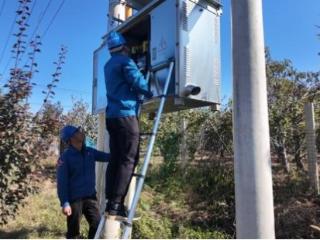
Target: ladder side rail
x=100, y=227
x=103, y=218
x=128, y=224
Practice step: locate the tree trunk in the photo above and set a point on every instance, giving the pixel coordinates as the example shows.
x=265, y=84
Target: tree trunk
x=281, y=151
x=222, y=153
x=297, y=158
x=283, y=157
x=297, y=146
x=183, y=144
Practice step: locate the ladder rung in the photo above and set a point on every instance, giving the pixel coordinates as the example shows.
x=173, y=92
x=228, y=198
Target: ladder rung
x=161, y=96
x=127, y=224
x=146, y=134
x=138, y=175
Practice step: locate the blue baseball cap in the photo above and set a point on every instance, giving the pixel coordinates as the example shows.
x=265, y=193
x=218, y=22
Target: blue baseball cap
x=67, y=132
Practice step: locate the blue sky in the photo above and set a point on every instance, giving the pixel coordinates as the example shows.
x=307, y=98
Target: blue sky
x=290, y=32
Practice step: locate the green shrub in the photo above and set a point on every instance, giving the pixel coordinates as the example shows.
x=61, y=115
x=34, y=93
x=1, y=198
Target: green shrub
x=198, y=233
x=152, y=227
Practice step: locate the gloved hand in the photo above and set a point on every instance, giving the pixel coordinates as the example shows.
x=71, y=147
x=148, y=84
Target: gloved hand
x=149, y=95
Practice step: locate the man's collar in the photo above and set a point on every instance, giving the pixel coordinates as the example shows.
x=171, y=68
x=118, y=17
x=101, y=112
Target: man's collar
x=72, y=148
x=116, y=54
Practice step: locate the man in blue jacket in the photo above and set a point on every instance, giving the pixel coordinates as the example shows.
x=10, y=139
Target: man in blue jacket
x=124, y=84
x=76, y=181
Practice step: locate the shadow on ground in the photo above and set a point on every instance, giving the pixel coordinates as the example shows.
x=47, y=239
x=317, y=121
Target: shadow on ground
x=25, y=233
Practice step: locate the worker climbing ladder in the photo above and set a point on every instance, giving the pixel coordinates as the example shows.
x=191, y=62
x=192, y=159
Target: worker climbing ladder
x=127, y=224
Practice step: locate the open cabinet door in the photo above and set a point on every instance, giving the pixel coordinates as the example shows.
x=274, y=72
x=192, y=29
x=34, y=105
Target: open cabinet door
x=99, y=95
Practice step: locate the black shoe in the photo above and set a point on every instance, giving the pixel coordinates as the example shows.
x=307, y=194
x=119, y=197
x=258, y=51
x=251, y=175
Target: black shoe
x=116, y=209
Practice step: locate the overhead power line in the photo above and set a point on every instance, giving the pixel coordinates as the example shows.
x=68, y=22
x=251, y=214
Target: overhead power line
x=53, y=19
x=42, y=15
x=64, y=89
x=2, y=7
x=41, y=104
x=10, y=34
x=32, y=8
x=50, y=23
x=5, y=46
x=40, y=19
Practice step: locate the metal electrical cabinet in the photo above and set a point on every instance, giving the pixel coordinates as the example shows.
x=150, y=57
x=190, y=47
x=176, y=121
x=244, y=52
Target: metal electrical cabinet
x=186, y=31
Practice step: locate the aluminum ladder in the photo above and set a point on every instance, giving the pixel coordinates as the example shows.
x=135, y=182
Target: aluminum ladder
x=141, y=176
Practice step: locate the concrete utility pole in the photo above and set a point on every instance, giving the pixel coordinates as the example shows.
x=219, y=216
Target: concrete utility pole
x=101, y=167
x=311, y=147
x=253, y=176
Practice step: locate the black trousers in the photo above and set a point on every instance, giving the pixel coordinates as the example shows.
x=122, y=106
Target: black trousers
x=89, y=208
x=124, y=149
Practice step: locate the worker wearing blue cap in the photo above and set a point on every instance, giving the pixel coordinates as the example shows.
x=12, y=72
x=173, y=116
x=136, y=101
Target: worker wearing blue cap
x=124, y=84
x=76, y=181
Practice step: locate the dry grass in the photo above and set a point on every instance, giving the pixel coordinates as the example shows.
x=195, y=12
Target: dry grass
x=167, y=209
x=40, y=218
x=41, y=215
